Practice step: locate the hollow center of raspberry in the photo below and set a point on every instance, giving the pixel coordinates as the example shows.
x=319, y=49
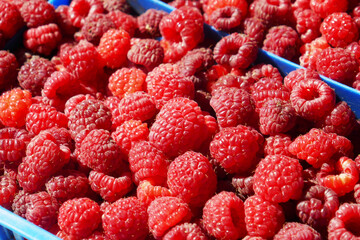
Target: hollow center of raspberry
x=232, y=50
x=353, y=225
x=310, y=94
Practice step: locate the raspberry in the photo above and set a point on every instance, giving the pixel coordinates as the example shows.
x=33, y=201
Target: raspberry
x=299, y=75
x=126, y=81
x=8, y=189
x=41, y=117
x=243, y=186
x=260, y=71
x=125, y=219
x=236, y=50
x=312, y=99
x=43, y=39
x=41, y=209
x=123, y=21
x=179, y=126
x=110, y=188
x=327, y=7
x=13, y=142
x=273, y=13
x=263, y=218
x=63, y=21
x=318, y=207
x=294, y=230
x=223, y=216
x=231, y=81
x=310, y=52
x=72, y=102
x=80, y=9
x=148, y=22
x=283, y=41
x=116, y=5
x=147, y=53
x=357, y=189
x=255, y=28
x=276, y=116
x=330, y=29
x=226, y=18
x=308, y=25
x=95, y=25
x=44, y=157
x=236, y=148
x=79, y=217
x=344, y=224
x=166, y=212
x=233, y=106
x=338, y=64
x=99, y=152
x=11, y=20
x=185, y=231
x=191, y=3
x=8, y=69
x=33, y=74
x=181, y=173
x=277, y=144
x=113, y=48
x=37, y=13
x=148, y=163
x=341, y=178
x=356, y=15
x=354, y=47
x=20, y=203
x=163, y=85
x=147, y=192
x=14, y=106
x=210, y=6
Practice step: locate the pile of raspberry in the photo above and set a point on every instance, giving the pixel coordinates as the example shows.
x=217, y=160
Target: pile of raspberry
x=107, y=132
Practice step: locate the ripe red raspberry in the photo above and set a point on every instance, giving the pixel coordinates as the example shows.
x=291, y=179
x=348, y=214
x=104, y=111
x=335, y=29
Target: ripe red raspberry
x=262, y=70
x=33, y=74
x=63, y=21
x=80, y=9
x=179, y=126
x=330, y=29
x=125, y=219
x=72, y=102
x=13, y=142
x=126, y=81
x=341, y=177
x=116, y=5
x=310, y=52
x=148, y=22
x=338, y=64
x=147, y=53
x=277, y=144
x=318, y=207
x=166, y=212
x=37, y=13
x=41, y=209
x=191, y=3
x=308, y=25
x=147, y=192
x=297, y=231
x=356, y=15
x=210, y=6
x=124, y=21
x=44, y=157
x=69, y=185
x=181, y=173
x=14, y=106
x=20, y=203
x=8, y=69
x=223, y=216
x=110, y=188
x=236, y=50
x=8, y=189
x=99, y=152
x=185, y=231
x=263, y=218
x=312, y=99
x=226, y=18
x=344, y=224
x=43, y=39
x=273, y=13
x=41, y=117
x=163, y=85
x=79, y=217
x=233, y=106
x=95, y=25
x=276, y=116
x=357, y=189
x=113, y=48
x=327, y=7
x=354, y=47
x=255, y=28
x=236, y=148
x=299, y=75
x=231, y=81
x=283, y=41
x=11, y=20
x=148, y=163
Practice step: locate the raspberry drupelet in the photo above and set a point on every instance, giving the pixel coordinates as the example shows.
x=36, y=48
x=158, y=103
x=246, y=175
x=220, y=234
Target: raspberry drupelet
x=8, y=69
x=297, y=231
x=345, y=223
x=80, y=9
x=13, y=142
x=147, y=192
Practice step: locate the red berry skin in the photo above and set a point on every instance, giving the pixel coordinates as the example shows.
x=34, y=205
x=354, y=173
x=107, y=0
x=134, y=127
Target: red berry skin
x=95, y=26
x=344, y=224
x=11, y=20
x=226, y=18
x=185, y=231
x=125, y=219
x=124, y=21
x=299, y=75
x=166, y=212
x=277, y=144
x=8, y=189
x=181, y=175
x=147, y=53
x=147, y=192
x=80, y=9
x=8, y=68
x=37, y=13
x=308, y=25
x=79, y=217
x=148, y=22
x=13, y=143
x=126, y=81
x=326, y=7
x=278, y=178
x=223, y=216
x=297, y=230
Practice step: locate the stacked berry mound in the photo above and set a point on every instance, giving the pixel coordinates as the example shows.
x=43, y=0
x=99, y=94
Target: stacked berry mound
x=108, y=133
